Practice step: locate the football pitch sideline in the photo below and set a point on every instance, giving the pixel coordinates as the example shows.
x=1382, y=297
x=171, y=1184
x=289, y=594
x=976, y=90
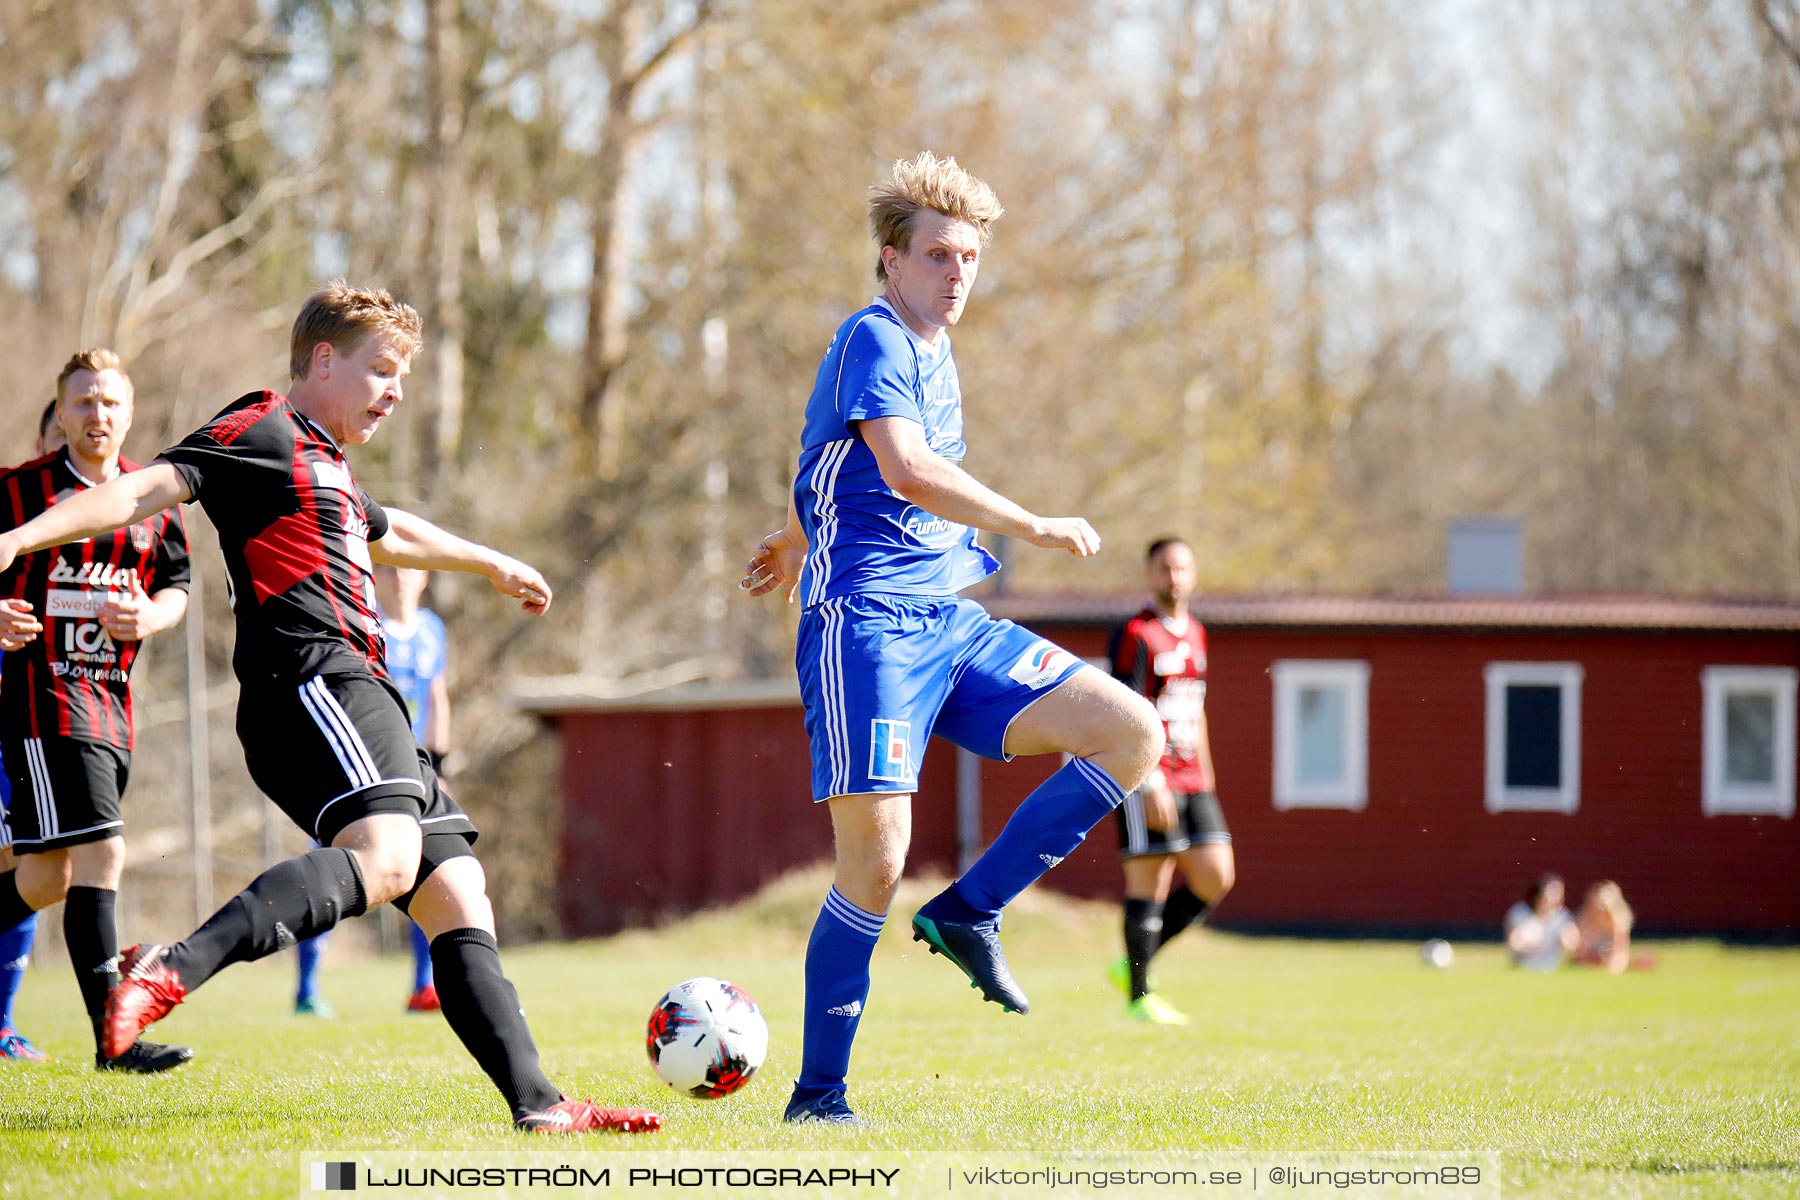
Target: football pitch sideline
x=1683, y=1081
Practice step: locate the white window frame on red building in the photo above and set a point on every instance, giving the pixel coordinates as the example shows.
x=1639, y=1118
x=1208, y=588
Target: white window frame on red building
x=1566, y=796
x=1718, y=796
x=1291, y=676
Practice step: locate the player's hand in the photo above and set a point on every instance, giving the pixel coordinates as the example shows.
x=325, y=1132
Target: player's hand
x=777, y=561
x=1159, y=806
x=129, y=616
x=1073, y=534
x=514, y=578
x=18, y=624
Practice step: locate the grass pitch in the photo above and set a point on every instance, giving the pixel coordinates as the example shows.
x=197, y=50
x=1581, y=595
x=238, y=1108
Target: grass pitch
x=1684, y=1081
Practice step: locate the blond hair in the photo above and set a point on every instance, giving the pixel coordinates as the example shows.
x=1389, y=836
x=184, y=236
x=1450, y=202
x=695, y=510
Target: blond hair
x=1609, y=898
x=94, y=358
x=341, y=316
x=927, y=182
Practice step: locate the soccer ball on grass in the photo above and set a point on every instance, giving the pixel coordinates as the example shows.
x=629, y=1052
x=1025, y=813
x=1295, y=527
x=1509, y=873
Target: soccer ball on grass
x=706, y=1037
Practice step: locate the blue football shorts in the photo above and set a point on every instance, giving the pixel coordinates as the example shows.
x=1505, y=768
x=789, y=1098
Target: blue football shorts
x=880, y=674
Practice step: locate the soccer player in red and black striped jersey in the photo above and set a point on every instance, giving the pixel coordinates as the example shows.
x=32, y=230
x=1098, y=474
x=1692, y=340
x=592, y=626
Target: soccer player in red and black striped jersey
x=325, y=734
x=72, y=619
x=1174, y=818
x=15, y=943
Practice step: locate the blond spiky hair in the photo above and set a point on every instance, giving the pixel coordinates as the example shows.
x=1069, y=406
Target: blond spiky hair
x=927, y=182
x=341, y=316
x=95, y=358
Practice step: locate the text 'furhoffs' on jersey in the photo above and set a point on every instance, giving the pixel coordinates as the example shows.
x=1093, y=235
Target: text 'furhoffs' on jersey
x=863, y=536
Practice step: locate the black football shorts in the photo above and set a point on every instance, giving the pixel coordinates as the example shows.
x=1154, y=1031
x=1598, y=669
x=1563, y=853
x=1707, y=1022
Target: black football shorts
x=1199, y=821
x=334, y=749
x=65, y=791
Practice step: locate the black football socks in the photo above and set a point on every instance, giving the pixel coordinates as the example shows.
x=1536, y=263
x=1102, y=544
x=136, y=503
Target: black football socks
x=13, y=908
x=1143, y=929
x=92, y=935
x=482, y=1008
x=288, y=903
x=1183, y=908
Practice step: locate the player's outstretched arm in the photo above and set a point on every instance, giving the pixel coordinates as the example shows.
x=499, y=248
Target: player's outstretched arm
x=412, y=541
x=121, y=501
x=940, y=487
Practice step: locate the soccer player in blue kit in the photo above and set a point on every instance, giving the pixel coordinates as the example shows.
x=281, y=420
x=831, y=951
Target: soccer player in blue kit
x=880, y=538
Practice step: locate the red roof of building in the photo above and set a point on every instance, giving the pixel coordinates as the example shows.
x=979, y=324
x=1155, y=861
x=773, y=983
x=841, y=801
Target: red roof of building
x=1573, y=611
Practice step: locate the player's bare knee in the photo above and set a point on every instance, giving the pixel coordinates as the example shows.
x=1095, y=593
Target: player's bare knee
x=869, y=874
x=44, y=879
x=1139, y=740
x=98, y=864
x=386, y=871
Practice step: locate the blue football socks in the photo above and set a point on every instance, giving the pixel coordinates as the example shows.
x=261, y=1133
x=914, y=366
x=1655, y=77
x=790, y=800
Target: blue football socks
x=309, y=952
x=421, y=947
x=1043, y=831
x=15, y=955
x=837, y=985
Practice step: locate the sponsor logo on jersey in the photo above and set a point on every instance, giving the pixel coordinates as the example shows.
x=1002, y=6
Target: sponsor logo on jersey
x=890, y=750
x=333, y=477
x=1040, y=666
x=1172, y=662
x=141, y=536
x=923, y=525
x=62, y=602
x=94, y=575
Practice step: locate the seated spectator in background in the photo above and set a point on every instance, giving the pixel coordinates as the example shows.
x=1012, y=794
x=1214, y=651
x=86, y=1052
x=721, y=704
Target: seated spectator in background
x=1540, y=933
x=1604, y=927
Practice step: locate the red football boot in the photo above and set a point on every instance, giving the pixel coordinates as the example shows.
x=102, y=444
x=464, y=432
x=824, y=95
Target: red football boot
x=584, y=1116
x=147, y=991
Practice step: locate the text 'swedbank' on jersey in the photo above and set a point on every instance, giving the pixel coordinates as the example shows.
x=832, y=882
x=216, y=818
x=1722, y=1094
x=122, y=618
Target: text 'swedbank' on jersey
x=862, y=535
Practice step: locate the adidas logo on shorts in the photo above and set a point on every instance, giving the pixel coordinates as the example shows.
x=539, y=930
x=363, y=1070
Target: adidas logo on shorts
x=852, y=1009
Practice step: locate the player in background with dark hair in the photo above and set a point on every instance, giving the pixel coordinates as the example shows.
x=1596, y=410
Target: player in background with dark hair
x=73, y=620
x=325, y=734
x=1173, y=819
x=15, y=943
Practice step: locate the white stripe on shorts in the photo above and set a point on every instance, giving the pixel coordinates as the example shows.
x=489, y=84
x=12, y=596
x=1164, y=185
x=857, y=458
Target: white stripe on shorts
x=1137, y=835
x=41, y=790
x=831, y=691
x=335, y=724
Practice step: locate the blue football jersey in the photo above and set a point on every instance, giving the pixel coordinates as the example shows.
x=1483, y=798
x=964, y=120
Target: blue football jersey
x=863, y=537
x=415, y=658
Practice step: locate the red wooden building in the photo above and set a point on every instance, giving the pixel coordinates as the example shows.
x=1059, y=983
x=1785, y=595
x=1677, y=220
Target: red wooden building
x=1387, y=765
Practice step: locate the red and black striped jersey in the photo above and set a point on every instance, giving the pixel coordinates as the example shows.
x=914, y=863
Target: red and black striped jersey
x=1169, y=669
x=73, y=679
x=295, y=529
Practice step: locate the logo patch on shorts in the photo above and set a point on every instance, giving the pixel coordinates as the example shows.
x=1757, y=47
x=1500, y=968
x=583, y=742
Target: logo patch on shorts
x=890, y=751
x=1041, y=665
